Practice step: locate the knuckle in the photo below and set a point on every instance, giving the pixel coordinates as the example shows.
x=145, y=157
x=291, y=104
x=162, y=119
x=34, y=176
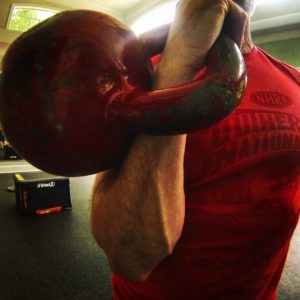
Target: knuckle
x=220, y=7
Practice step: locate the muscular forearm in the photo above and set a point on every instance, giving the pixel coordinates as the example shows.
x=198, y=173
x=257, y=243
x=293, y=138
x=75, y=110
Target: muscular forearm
x=138, y=214
x=137, y=218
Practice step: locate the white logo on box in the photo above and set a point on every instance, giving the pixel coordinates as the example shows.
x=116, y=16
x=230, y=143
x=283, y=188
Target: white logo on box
x=50, y=184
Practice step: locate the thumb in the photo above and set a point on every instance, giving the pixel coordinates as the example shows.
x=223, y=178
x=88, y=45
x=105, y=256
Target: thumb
x=235, y=23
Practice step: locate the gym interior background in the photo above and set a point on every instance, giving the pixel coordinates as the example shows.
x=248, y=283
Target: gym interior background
x=54, y=256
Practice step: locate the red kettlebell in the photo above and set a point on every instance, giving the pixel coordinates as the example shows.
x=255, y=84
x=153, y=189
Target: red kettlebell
x=76, y=88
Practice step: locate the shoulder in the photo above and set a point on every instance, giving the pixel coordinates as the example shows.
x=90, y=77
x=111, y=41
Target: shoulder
x=287, y=68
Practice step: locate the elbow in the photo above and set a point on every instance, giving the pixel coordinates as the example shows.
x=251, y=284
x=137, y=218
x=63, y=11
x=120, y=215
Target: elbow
x=136, y=276
x=136, y=268
x=132, y=272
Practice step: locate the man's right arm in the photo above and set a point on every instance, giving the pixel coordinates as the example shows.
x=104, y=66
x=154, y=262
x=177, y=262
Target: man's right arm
x=138, y=210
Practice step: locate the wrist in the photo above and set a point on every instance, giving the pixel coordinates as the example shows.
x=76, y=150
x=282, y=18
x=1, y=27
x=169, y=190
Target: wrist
x=176, y=67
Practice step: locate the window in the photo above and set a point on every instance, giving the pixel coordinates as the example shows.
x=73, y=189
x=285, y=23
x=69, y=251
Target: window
x=162, y=14
x=23, y=17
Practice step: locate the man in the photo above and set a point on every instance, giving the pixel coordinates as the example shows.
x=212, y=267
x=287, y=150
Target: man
x=207, y=215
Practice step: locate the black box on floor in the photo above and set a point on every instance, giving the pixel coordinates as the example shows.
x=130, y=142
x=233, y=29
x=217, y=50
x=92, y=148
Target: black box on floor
x=41, y=193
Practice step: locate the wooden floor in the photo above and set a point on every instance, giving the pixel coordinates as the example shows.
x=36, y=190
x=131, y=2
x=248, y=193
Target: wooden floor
x=90, y=273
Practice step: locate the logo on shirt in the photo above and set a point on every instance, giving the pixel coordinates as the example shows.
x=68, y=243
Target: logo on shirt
x=270, y=99
x=250, y=135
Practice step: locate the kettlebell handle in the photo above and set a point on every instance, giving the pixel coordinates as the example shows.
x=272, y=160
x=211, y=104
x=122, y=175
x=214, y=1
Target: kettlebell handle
x=188, y=107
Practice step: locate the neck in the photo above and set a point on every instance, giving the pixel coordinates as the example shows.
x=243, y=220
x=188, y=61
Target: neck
x=247, y=44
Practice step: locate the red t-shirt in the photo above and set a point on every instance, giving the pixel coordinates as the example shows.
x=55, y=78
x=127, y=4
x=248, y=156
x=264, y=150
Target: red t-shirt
x=242, y=197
